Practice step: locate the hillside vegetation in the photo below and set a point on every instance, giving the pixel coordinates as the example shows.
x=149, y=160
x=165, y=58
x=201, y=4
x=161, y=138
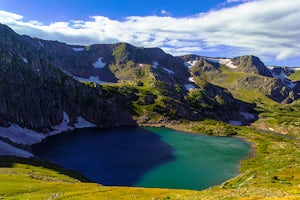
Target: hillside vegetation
x=146, y=87
x=295, y=76
x=272, y=172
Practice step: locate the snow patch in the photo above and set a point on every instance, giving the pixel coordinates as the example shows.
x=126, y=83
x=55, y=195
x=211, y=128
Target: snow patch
x=155, y=64
x=191, y=79
x=7, y=149
x=63, y=126
x=190, y=63
x=20, y=135
x=236, y=123
x=78, y=49
x=282, y=74
x=223, y=61
x=94, y=79
x=82, y=123
x=42, y=45
x=25, y=136
x=247, y=116
x=271, y=129
x=283, y=77
x=168, y=70
x=189, y=87
x=25, y=60
x=67, y=73
x=99, y=63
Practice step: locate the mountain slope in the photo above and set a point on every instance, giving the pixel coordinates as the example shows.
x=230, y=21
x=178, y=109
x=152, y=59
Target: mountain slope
x=39, y=90
x=241, y=74
x=34, y=93
x=42, y=74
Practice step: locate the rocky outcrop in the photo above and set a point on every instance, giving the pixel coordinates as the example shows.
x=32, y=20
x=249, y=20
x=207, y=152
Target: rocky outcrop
x=273, y=88
x=205, y=66
x=278, y=71
x=272, y=81
x=34, y=92
x=251, y=64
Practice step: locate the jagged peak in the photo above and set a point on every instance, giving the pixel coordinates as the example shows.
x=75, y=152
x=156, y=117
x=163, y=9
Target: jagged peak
x=251, y=64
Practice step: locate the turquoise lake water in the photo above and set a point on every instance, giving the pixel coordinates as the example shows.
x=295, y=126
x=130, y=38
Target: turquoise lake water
x=146, y=157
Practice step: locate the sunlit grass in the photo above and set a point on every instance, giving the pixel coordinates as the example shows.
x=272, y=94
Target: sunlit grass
x=272, y=172
x=295, y=76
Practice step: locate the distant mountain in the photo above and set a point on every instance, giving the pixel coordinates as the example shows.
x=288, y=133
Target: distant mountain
x=107, y=62
x=248, y=73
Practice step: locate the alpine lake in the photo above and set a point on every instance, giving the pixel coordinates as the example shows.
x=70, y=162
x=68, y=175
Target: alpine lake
x=146, y=157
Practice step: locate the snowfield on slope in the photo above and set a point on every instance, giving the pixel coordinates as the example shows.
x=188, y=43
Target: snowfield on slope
x=82, y=123
x=189, y=87
x=191, y=63
x=223, y=61
x=94, y=79
x=24, y=136
x=168, y=70
x=78, y=49
x=7, y=149
x=99, y=63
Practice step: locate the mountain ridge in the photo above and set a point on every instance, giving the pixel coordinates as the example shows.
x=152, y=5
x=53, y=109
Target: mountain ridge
x=51, y=82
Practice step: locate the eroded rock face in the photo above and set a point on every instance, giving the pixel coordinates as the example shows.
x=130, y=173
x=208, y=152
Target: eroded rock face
x=251, y=64
x=34, y=93
x=281, y=71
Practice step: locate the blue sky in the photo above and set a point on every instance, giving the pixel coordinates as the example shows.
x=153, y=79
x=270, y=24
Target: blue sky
x=49, y=11
x=226, y=28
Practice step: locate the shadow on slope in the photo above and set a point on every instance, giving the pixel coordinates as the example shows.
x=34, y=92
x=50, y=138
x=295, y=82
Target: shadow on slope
x=11, y=161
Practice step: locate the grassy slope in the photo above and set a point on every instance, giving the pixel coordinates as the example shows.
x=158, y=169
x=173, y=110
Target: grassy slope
x=295, y=76
x=273, y=116
x=272, y=173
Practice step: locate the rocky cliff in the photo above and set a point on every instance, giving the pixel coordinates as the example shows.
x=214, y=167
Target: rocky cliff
x=34, y=92
x=251, y=64
x=40, y=80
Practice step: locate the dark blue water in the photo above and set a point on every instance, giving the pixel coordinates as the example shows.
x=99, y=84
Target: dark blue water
x=146, y=157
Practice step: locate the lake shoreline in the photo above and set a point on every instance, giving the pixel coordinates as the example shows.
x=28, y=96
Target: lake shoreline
x=252, y=146
x=185, y=132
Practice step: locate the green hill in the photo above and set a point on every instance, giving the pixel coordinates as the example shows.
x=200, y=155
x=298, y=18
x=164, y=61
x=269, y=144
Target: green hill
x=295, y=76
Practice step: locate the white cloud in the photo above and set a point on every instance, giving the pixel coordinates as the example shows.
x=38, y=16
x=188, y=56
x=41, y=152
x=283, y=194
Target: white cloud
x=164, y=12
x=267, y=28
x=7, y=17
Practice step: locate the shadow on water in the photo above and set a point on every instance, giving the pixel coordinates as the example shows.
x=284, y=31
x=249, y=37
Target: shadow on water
x=119, y=156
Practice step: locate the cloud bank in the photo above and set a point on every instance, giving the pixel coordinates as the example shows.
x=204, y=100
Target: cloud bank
x=267, y=28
